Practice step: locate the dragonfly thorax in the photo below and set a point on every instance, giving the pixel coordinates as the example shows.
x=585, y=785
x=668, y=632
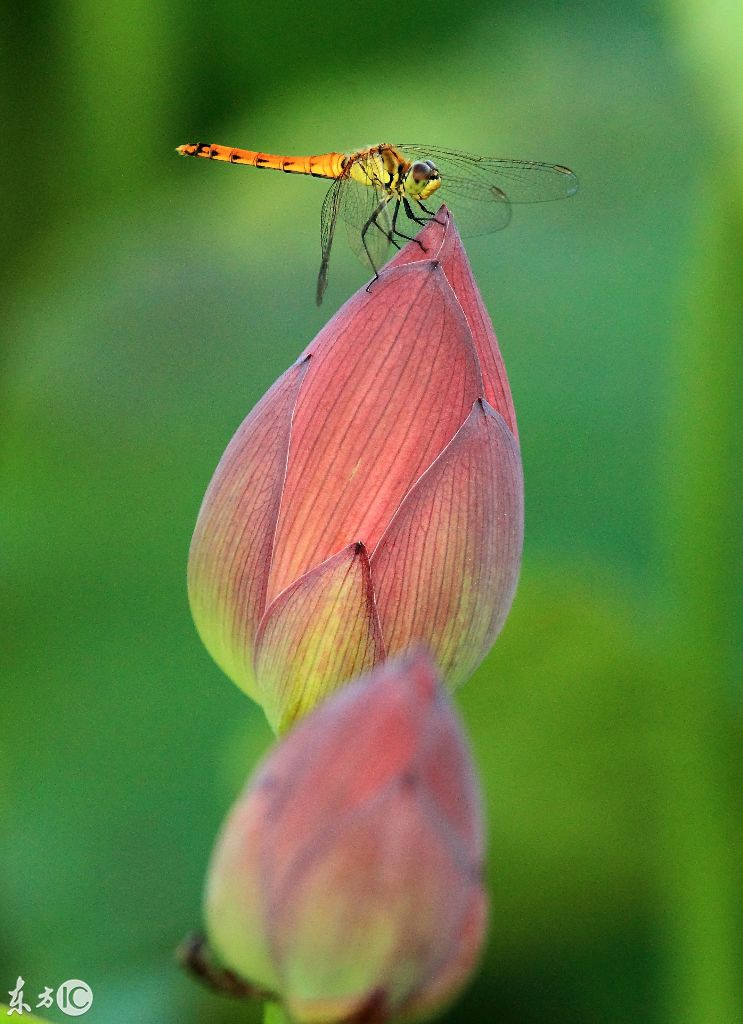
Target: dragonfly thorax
x=422, y=179
x=386, y=169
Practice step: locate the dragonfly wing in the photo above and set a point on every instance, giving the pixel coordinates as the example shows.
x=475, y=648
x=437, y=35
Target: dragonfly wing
x=522, y=181
x=360, y=206
x=477, y=208
x=328, y=221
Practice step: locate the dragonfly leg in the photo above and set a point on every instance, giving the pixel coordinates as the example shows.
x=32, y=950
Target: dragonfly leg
x=391, y=235
x=422, y=221
x=431, y=214
x=373, y=220
x=401, y=234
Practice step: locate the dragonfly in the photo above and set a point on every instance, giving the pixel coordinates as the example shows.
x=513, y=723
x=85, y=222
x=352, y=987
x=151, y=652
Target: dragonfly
x=382, y=190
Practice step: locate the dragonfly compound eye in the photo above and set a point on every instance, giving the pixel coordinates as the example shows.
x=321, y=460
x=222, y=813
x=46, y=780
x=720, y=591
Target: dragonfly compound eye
x=424, y=171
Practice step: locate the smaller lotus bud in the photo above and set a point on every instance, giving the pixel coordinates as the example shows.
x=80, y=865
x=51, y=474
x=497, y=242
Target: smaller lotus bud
x=347, y=878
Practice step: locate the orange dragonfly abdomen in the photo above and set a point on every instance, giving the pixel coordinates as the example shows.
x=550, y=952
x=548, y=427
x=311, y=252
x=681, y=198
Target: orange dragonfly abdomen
x=322, y=165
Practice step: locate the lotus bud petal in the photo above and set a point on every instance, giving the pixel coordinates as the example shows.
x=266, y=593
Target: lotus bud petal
x=233, y=540
x=347, y=878
x=393, y=433
x=391, y=379
x=319, y=632
x=463, y=567
x=447, y=248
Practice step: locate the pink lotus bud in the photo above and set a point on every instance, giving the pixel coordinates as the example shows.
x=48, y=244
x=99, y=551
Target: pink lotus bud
x=347, y=878
x=372, y=498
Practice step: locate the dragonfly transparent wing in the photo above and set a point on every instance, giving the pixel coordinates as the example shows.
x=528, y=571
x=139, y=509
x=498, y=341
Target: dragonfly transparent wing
x=479, y=189
x=328, y=221
x=367, y=214
x=523, y=181
x=363, y=205
x=478, y=209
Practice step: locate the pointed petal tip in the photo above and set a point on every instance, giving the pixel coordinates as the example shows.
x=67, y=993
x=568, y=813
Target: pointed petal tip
x=424, y=674
x=483, y=406
x=418, y=657
x=428, y=246
x=319, y=632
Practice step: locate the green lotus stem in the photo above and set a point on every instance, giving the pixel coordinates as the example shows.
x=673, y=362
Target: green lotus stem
x=699, y=868
x=700, y=872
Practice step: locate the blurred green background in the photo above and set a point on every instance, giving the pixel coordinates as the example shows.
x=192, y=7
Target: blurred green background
x=150, y=301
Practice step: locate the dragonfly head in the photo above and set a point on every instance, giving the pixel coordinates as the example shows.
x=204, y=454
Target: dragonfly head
x=422, y=179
